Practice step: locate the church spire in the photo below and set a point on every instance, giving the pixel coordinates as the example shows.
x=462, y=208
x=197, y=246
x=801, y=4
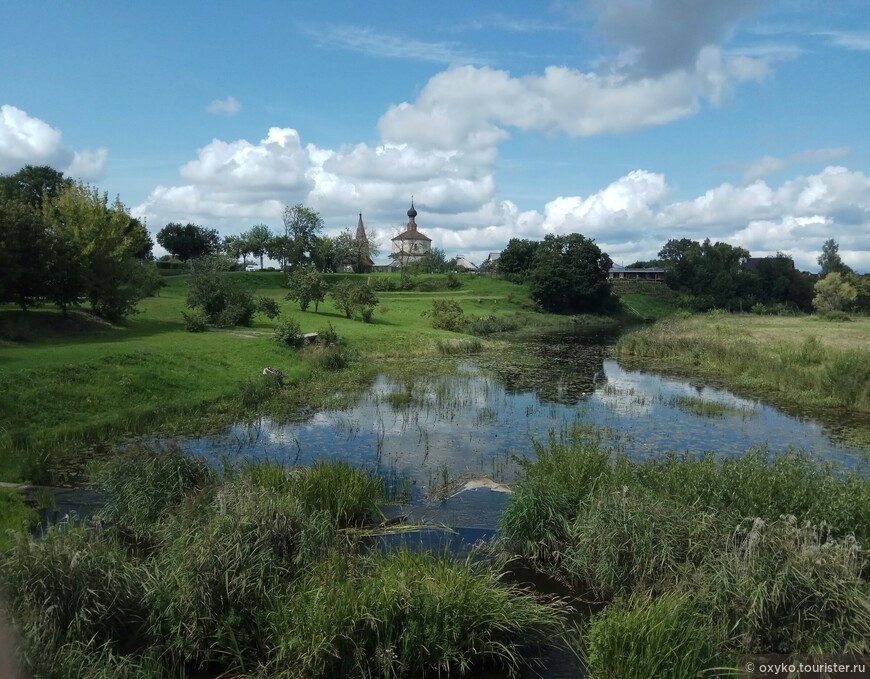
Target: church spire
x=360, y=229
x=412, y=225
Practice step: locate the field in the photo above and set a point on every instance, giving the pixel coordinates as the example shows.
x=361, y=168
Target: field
x=802, y=360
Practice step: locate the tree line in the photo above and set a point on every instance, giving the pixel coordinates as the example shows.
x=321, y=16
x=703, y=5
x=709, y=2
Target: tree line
x=717, y=275
x=299, y=245
x=63, y=242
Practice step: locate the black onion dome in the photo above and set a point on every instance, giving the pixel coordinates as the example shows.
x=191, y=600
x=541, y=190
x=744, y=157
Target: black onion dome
x=412, y=212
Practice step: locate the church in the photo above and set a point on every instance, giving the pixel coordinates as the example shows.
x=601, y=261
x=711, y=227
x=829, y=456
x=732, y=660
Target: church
x=410, y=245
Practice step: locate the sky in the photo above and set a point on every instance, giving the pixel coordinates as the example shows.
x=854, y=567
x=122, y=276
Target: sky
x=629, y=121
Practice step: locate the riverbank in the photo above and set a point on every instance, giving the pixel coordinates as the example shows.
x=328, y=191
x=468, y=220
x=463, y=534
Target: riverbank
x=803, y=360
x=72, y=384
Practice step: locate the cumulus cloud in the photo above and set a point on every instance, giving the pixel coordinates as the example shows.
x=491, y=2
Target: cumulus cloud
x=25, y=140
x=770, y=165
x=661, y=36
x=470, y=107
x=224, y=107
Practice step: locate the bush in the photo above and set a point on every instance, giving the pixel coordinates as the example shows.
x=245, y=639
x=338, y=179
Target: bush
x=353, y=298
x=268, y=307
x=447, y=315
x=289, y=334
x=196, y=321
x=453, y=281
x=224, y=300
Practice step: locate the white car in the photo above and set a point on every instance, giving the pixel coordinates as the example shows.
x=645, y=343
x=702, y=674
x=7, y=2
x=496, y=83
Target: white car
x=250, y=267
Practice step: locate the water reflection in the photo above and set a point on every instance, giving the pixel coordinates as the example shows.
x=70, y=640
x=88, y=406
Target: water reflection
x=435, y=430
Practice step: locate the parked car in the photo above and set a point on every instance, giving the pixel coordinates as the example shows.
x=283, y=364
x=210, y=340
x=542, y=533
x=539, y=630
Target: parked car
x=250, y=267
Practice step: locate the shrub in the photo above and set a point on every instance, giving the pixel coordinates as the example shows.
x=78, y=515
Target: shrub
x=224, y=300
x=268, y=307
x=329, y=357
x=453, y=281
x=195, y=321
x=306, y=286
x=447, y=315
x=328, y=336
x=289, y=334
x=366, y=314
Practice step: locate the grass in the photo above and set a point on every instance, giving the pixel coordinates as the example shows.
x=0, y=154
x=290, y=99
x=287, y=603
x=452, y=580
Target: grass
x=15, y=516
x=702, y=407
x=802, y=360
x=259, y=571
x=646, y=300
x=402, y=614
x=66, y=386
x=641, y=637
x=765, y=548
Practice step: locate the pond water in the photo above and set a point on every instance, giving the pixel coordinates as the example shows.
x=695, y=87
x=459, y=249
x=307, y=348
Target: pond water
x=435, y=436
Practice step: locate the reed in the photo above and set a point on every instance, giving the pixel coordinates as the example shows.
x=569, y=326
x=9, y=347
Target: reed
x=404, y=614
x=641, y=637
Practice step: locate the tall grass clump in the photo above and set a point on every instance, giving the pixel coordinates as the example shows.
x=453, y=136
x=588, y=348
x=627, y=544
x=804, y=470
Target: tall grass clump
x=404, y=614
x=459, y=347
x=632, y=541
x=846, y=377
x=218, y=568
x=640, y=637
x=784, y=586
x=141, y=485
x=72, y=587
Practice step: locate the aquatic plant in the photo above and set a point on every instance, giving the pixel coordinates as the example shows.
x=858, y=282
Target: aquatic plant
x=641, y=637
x=403, y=614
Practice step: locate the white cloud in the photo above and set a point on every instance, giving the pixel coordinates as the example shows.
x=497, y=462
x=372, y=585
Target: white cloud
x=770, y=165
x=25, y=140
x=469, y=107
x=224, y=107
x=373, y=43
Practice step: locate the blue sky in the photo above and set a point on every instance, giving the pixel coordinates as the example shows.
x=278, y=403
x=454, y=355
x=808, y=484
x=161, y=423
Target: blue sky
x=630, y=121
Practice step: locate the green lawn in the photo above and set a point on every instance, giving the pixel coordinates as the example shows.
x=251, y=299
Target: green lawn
x=92, y=383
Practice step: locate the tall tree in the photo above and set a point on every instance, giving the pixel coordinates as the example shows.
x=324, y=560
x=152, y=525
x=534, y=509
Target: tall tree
x=569, y=275
x=25, y=254
x=188, y=241
x=258, y=239
x=278, y=248
x=30, y=183
x=98, y=234
x=301, y=226
x=517, y=258
x=830, y=260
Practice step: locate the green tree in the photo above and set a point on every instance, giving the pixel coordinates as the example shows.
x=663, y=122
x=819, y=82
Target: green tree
x=517, y=258
x=278, y=248
x=189, y=241
x=306, y=286
x=353, y=298
x=569, y=275
x=235, y=247
x=434, y=261
x=834, y=293
x=301, y=226
x=830, y=261
x=258, y=239
x=99, y=236
x=25, y=254
x=326, y=253
x=31, y=183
